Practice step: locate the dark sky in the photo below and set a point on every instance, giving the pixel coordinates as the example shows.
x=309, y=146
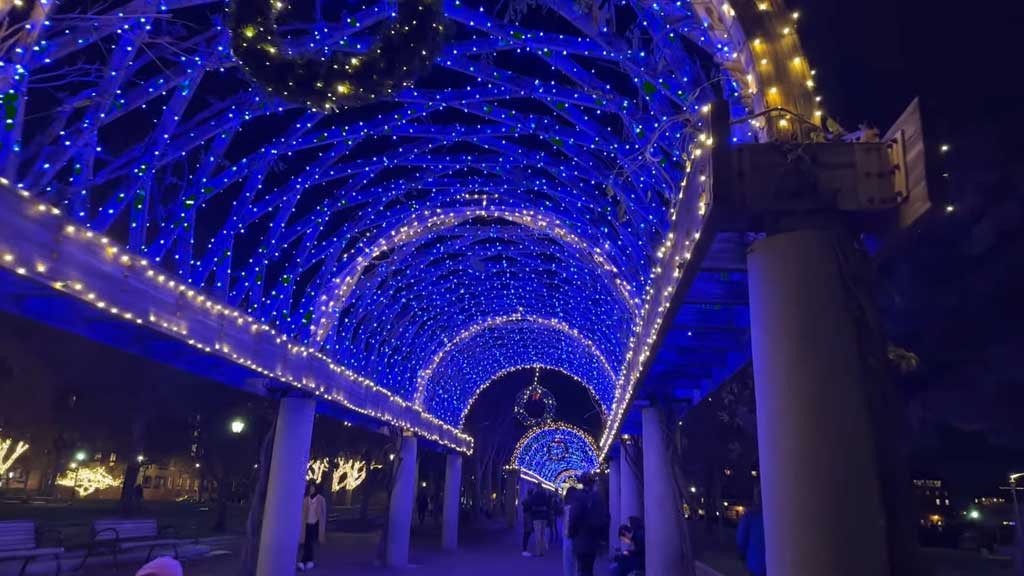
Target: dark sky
x=873, y=56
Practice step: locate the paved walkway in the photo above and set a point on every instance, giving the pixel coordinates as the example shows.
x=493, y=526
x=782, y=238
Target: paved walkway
x=489, y=550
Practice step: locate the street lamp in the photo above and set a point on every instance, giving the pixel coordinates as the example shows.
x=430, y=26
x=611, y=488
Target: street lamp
x=80, y=456
x=1019, y=536
x=237, y=426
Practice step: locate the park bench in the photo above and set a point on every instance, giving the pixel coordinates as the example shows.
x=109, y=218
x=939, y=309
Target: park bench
x=112, y=536
x=19, y=539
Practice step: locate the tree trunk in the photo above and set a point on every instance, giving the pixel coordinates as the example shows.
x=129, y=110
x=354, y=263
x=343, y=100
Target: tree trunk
x=129, y=502
x=254, y=522
x=221, y=518
x=679, y=479
x=389, y=485
x=477, y=481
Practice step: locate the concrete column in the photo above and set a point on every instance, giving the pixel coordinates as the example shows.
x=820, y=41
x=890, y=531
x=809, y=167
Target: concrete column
x=452, y=486
x=614, y=490
x=282, y=513
x=820, y=486
x=403, y=496
x=631, y=485
x=663, y=514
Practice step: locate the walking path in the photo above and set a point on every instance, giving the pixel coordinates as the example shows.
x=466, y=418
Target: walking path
x=488, y=550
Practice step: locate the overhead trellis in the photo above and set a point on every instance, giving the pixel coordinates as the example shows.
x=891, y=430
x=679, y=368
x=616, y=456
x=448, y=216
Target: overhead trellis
x=513, y=207
x=552, y=451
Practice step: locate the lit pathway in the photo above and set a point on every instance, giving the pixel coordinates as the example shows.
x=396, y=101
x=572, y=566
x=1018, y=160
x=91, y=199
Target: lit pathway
x=487, y=551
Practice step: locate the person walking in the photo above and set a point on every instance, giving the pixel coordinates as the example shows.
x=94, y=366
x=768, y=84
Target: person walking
x=554, y=512
x=314, y=519
x=750, y=538
x=422, y=502
x=588, y=526
x=540, y=503
x=527, y=522
x=568, y=558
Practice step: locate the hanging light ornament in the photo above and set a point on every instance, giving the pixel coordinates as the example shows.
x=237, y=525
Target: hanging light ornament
x=329, y=81
x=531, y=396
x=557, y=450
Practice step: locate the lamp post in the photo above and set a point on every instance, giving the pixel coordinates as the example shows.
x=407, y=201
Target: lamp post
x=79, y=458
x=237, y=426
x=1018, y=530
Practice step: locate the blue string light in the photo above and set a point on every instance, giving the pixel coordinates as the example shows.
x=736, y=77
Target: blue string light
x=512, y=208
x=553, y=451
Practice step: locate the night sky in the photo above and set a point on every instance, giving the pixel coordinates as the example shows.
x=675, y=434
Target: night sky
x=874, y=56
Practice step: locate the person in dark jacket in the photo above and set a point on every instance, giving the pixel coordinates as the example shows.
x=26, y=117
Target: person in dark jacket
x=540, y=505
x=527, y=522
x=588, y=526
x=750, y=538
x=422, y=503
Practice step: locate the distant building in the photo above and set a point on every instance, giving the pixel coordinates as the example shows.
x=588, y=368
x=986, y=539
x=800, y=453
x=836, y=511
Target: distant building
x=932, y=503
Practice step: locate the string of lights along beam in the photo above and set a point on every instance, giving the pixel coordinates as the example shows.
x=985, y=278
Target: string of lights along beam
x=541, y=159
x=550, y=450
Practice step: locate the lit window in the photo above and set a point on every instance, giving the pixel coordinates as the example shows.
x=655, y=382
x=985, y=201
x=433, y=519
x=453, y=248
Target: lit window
x=938, y=502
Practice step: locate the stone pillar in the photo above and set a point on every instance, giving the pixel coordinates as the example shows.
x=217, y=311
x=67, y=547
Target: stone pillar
x=452, y=486
x=820, y=486
x=663, y=514
x=614, y=491
x=282, y=513
x=631, y=486
x=403, y=497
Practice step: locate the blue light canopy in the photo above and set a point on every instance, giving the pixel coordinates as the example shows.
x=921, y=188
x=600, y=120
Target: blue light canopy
x=527, y=201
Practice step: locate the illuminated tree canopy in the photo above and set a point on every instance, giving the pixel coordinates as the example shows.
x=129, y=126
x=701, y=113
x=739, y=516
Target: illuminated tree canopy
x=513, y=207
x=553, y=451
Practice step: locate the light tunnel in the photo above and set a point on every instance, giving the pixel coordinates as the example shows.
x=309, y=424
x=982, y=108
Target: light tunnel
x=536, y=170
x=553, y=451
x=462, y=371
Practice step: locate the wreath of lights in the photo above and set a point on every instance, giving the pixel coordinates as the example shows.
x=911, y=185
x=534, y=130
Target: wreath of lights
x=557, y=450
x=530, y=395
x=402, y=52
x=533, y=452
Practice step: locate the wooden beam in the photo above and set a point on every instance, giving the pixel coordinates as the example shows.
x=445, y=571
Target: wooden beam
x=39, y=243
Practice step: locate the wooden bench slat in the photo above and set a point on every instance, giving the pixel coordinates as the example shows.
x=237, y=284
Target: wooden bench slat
x=146, y=543
x=17, y=535
x=125, y=529
x=12, y=554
